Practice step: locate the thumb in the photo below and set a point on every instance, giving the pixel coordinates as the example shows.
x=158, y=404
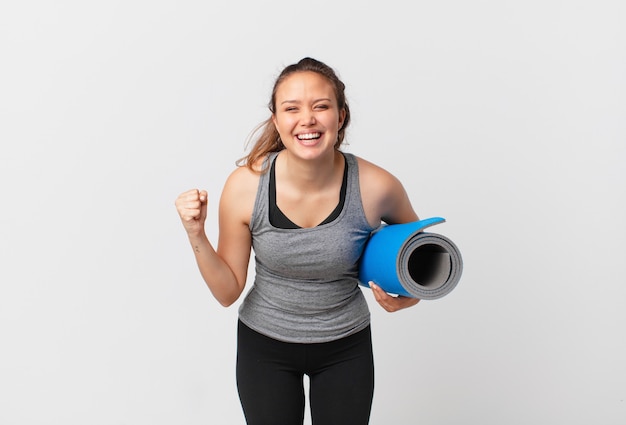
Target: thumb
x=204, y=201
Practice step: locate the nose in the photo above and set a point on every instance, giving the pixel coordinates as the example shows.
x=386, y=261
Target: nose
x=308, y=117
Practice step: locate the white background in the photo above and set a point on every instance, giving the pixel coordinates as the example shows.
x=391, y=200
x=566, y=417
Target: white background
x=505, y=117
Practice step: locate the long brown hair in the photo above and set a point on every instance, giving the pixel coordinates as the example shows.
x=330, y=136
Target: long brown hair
x=265, y=134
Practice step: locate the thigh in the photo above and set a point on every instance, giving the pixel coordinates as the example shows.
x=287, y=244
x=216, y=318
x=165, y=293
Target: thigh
x=270, y=386
x=342, y=386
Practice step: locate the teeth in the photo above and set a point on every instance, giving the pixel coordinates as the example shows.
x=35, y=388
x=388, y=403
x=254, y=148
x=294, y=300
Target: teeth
x=309, y=136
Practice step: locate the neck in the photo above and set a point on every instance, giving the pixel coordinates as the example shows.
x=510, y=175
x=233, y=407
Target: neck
x=311, y=175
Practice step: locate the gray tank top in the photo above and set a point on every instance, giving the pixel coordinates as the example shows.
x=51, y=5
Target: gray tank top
x=306, y=288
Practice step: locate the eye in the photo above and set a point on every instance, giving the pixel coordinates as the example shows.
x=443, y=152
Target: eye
x=291, y=109
x=322, y=106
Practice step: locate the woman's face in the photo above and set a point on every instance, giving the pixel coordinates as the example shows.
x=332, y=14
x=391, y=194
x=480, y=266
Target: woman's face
x=307, y=116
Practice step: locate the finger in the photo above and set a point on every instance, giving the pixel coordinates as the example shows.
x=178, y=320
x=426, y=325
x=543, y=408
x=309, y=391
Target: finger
x=376, y=291
x=192, y=205
x=184, y=198
x=391, y=303
x=379, y=292
x=203, y=204
x=189, y=194
x=381, y=296
x=189, y=217
x=193, y=199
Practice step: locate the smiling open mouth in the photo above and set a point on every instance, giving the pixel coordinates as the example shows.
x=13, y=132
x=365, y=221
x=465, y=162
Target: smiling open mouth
x=309, y=136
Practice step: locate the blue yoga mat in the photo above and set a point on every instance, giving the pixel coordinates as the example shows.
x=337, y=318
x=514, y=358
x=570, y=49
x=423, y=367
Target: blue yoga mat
x=404, y=260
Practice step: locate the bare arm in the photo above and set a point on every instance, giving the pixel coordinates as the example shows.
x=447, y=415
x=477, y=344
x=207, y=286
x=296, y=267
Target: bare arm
x=224, y=270
x=385, y=199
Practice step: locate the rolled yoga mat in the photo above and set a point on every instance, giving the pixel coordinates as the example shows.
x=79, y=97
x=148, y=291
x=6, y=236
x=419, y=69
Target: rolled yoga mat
x=404, y=260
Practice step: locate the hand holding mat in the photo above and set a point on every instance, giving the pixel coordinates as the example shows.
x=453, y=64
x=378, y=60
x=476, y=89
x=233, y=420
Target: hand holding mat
x=404, y=260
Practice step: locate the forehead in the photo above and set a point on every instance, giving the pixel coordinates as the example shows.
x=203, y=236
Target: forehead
x=304, y=84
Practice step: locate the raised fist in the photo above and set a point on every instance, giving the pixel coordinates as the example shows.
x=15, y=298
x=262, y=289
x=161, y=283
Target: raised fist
x=192, y=208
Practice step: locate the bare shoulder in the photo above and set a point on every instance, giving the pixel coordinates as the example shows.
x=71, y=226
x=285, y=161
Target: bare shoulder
x=242, y=178
x=384, y=197
x=377, y=184
x=372, y=174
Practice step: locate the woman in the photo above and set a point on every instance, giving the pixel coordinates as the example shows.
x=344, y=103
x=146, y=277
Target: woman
x=307, y=210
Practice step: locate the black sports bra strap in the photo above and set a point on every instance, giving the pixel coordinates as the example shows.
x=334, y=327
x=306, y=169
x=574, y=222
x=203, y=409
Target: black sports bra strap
x=281, y=221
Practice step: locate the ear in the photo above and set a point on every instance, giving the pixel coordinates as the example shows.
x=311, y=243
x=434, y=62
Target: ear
x=342, y=118
x=274, y=121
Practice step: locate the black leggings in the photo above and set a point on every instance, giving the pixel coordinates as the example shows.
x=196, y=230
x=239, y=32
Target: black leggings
x=270, y=379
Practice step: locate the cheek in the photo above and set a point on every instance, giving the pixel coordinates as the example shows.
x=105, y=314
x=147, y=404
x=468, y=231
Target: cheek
x=333, y=121
x=284, y=124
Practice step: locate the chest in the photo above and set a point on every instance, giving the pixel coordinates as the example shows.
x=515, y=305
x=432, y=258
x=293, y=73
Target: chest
x=309, y=210
x=323, y=253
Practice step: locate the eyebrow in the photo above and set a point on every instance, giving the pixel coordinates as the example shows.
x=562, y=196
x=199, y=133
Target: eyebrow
x=297, y=101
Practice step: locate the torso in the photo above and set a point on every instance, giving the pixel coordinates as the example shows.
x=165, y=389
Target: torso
x=310, y=210
x=306, y=282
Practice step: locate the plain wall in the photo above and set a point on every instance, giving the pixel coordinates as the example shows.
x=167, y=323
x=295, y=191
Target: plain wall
x=505, y=117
